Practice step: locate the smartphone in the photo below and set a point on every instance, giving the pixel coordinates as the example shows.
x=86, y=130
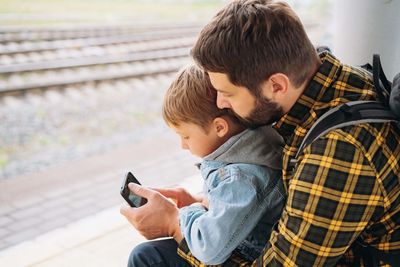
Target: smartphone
x=133, y=200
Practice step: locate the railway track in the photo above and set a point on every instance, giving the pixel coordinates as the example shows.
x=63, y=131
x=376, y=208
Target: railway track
x=36, y=66
x=12, y=48
x=94, y=51
x=25, y=33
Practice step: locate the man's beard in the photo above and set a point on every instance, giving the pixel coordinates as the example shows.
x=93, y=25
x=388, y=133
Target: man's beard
x=265, y=112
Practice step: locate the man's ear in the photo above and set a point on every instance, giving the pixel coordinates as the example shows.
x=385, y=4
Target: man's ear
x=276, y=87
x=221, y=126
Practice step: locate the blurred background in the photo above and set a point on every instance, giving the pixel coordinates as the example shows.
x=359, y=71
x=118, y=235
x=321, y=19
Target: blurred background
x=82, y=77
x=81, y=87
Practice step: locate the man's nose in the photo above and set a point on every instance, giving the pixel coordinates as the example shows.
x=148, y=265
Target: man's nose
x=222, y=102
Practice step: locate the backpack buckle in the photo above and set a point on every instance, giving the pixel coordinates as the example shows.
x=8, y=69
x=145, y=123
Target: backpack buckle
x=348, y=112
x=292, y=164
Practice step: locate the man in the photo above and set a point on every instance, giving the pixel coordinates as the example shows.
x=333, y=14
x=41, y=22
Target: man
x=343, y=204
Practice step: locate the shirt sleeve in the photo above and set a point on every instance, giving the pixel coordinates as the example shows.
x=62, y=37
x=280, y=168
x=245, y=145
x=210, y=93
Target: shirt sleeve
x=235, y=207
x=332, y=197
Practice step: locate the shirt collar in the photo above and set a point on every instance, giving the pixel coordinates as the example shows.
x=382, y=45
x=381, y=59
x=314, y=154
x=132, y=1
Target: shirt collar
x=315, y=93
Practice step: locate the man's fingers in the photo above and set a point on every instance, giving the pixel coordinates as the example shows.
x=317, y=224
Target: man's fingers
x=167, y=192
x=140, y=190
x=124, y=210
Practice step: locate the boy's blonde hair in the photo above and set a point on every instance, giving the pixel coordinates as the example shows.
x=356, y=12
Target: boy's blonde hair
x=191, y=98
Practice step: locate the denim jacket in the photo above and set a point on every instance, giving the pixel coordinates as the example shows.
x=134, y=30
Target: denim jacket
x=242, y=182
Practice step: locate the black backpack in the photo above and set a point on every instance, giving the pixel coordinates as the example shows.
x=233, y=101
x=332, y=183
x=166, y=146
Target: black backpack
x=386, y=109
x=355, y=112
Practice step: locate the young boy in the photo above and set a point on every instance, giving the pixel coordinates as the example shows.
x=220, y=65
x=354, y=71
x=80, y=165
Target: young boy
x=243, y=192
x=243, y=195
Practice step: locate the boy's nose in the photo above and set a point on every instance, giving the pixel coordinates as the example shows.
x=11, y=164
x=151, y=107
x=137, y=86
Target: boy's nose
x=222, y=102
x=184, y=145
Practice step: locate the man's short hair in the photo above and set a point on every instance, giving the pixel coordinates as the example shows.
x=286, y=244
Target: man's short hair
x=249, y=40
x=191, y=98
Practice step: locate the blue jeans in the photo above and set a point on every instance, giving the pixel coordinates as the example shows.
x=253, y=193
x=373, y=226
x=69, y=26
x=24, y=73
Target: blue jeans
x=158, y=253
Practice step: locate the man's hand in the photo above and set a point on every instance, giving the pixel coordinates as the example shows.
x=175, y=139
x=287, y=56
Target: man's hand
x=180, y=196
x=159, y=217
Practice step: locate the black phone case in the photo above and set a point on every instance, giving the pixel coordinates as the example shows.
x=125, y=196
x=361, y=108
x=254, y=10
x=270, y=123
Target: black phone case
x=125, y=192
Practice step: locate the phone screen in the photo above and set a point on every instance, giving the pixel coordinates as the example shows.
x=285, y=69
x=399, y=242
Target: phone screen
x=132, y=199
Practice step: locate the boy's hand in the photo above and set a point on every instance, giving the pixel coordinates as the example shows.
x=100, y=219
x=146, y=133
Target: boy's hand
x=204, y=202
x=159, y=217
x=180, y=196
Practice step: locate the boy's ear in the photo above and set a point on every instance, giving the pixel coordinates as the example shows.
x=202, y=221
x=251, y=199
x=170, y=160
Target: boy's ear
x=221, y=126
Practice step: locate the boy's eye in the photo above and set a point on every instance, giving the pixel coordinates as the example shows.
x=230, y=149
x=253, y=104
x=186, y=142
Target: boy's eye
x=224, y=94
x=227, y=95
x=185, y=137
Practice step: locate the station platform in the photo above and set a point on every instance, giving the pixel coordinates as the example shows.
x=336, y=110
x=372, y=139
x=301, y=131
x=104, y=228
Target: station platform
x=103, y=239
x=69, y=215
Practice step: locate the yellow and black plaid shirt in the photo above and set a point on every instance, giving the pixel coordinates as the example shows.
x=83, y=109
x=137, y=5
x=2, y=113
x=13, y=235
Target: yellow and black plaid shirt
x=345, y=184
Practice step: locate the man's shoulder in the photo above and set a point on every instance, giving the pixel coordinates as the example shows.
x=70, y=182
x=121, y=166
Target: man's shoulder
x=356, y=82
x=380, y=133
x=377, y=142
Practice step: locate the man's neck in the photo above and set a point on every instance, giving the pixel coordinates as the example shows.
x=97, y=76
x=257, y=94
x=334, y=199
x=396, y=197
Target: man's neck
x=296, y=92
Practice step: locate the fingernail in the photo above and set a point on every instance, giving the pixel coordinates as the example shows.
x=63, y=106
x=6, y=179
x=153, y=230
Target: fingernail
x=132, y=186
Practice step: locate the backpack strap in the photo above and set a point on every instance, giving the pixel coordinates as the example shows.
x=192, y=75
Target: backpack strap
x=394, y=99
x=381, y=83
x=350, y=113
